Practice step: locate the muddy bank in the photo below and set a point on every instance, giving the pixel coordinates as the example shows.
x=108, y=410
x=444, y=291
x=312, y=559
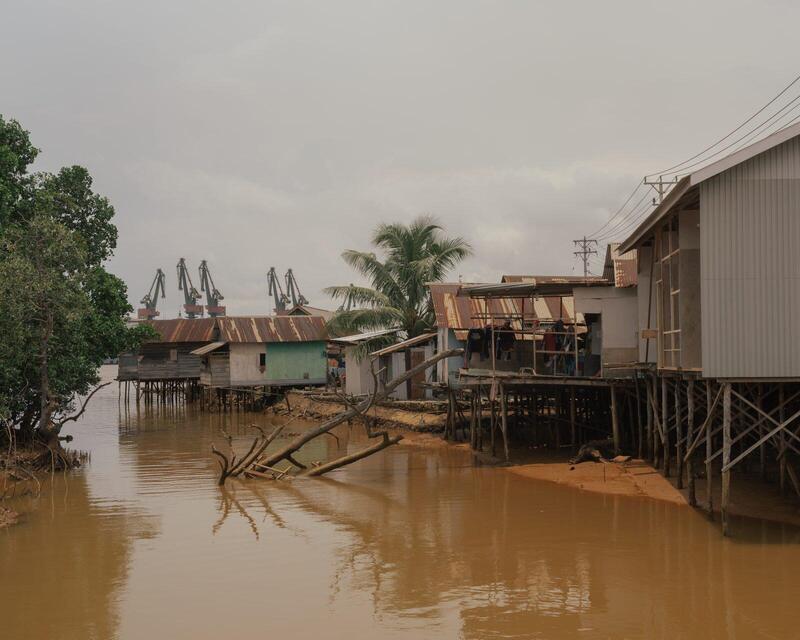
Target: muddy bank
x=388, y=417
x=632, y=478
x=751, y=497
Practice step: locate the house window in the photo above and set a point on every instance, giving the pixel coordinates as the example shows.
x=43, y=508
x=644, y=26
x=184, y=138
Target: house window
x=173, y=354
x=262, y=361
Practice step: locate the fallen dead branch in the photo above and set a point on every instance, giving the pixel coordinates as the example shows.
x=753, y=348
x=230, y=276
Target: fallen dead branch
x=258, y=463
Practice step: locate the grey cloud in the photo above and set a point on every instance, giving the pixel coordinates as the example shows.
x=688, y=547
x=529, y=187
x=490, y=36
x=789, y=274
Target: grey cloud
x=279, y=133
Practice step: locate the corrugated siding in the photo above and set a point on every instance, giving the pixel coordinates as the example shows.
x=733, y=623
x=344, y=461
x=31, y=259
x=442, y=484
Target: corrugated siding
x=300, y=362
x=750, y=239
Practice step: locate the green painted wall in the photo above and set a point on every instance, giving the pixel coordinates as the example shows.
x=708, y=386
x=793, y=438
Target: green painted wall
x=296, y=362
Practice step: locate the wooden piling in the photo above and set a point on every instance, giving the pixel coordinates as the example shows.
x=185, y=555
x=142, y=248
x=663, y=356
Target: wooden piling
x=709, y=451
x=572, y=434
x=782, y=452
x=639, y=423
x=689, y=439
x=614, y=420
x=726, y=458
x=665, y=452
x=678, y=434
x=504, y=419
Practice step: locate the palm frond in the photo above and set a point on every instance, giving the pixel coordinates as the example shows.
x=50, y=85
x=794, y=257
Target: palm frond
x=358, y=295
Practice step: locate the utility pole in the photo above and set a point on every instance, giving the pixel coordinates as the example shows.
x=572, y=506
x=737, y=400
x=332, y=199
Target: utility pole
x=585, y=252
x=661, y=186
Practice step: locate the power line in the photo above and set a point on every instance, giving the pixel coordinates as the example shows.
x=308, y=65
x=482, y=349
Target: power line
x=633, y=223
x=633, y=212
x=725, y=148
x=624, y=204
x=745, y=123
x=792, y=110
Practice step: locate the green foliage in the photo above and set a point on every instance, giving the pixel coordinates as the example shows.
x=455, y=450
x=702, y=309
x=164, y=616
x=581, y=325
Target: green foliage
x=59, y=307
x=414, y=255
x=16, y=155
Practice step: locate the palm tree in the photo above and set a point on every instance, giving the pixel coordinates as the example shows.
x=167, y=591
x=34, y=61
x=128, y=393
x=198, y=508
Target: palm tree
x=414, y=255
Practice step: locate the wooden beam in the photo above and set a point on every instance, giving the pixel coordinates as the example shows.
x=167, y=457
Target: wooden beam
x=726, y=458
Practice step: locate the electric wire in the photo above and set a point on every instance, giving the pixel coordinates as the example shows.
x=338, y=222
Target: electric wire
x=635, y=211
x=624, y=204
x=725, y=148
x=721, y=140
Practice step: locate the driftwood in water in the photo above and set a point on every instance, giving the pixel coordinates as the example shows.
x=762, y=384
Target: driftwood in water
x=257, y=463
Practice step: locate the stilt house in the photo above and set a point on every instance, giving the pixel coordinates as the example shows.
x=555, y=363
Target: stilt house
x=269, y=351
x=718, y=309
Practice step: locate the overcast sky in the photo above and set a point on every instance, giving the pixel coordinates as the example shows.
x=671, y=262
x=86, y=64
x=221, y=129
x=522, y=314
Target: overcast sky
x=259, y=133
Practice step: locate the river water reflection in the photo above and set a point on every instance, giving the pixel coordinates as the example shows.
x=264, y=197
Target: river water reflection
x=412, y=543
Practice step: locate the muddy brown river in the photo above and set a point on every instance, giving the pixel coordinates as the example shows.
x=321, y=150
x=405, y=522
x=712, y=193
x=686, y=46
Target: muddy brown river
x=411, y=543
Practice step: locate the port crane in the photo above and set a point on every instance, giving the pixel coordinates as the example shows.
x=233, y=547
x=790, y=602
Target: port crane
x=275, y=290
x=293, y=290
x=190, y=294
x=150, y=300
x=213, y=296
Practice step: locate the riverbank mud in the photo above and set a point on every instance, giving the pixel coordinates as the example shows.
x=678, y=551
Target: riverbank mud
x=415, y=421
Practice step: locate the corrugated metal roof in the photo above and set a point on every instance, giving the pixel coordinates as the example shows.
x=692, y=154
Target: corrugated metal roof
x=454, y=309
x=622, y=268
x=272, y=329
x=184, y=329
x=305, y=310
x=510, y=279
x=405, y=344
x=555, y=287
x=363, y=337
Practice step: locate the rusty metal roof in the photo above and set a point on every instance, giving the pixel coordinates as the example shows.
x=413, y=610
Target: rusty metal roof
x=208, y=348
x=622, y=268
x=272, y=329
x=454, y=308
x=184, y=329
x=405, y=344
x=510, y=279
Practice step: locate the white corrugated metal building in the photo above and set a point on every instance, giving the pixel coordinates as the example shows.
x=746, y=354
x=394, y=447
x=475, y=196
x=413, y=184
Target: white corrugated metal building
x=719, y=274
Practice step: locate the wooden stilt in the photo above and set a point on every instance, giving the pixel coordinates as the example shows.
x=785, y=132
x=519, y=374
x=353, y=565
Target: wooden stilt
x=665, y=452
x=614, y=421
x=504, y=419
x=689, y=438
x=639, y=423
x=480, y=418
x=493, y=420
x=726, y=458
x=782, y=452
x=572, y=434
x=762, y=450
x=473, y=435
x=652, y=440
x=678, y=433
x=709, y=451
